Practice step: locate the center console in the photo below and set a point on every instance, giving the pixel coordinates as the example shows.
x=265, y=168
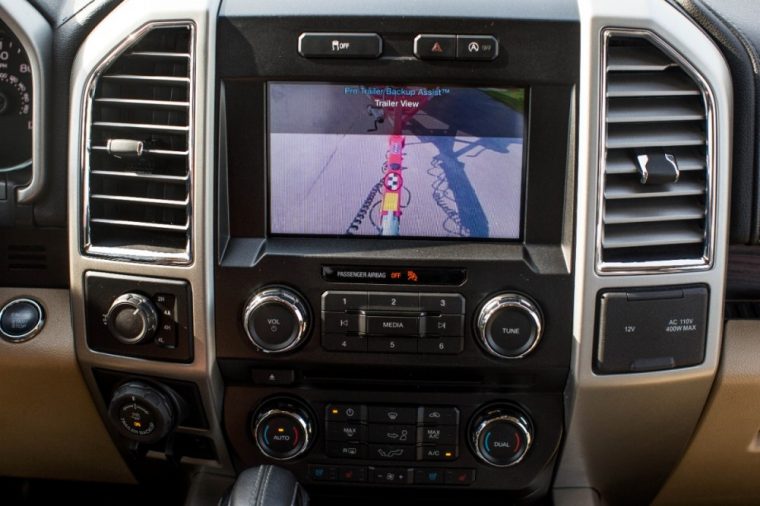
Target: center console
x=393, y=295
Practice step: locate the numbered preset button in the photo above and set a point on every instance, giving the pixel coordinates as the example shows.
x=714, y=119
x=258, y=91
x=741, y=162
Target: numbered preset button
x=397, y=301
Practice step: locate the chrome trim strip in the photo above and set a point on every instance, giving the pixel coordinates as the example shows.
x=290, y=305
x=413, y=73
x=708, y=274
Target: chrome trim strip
x=35, y=34
x=656, y=266
x=124, y=253
x=128, y=17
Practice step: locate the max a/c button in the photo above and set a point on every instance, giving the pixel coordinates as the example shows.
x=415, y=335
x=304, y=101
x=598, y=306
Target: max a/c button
x=340, y=45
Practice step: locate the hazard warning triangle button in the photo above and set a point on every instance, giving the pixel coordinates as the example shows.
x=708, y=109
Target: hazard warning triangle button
x=435, y=47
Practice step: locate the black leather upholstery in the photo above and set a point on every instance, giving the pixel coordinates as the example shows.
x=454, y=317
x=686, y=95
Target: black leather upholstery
x=734, y=26
x=267, y=486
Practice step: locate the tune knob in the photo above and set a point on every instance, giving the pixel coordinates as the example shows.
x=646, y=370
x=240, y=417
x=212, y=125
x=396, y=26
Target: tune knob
x=501, y=436
x=142, y=412
x=276, y=320
x=282, y=429
x=132, y=318
x=509, y=325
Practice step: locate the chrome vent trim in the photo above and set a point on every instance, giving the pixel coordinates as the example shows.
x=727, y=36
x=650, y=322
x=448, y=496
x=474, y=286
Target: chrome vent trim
x=160, y=231
x=642, y=97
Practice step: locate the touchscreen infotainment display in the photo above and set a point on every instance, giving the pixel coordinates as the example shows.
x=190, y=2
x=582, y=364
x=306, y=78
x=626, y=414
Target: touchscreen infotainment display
x=425, y=161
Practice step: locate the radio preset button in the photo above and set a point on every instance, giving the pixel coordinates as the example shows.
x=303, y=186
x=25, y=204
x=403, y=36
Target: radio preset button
x=394, y=301
x=440, y=345
x=342, y=301
x=444, y=303
x=392, y=344
x=340, y=45
x=340, y=342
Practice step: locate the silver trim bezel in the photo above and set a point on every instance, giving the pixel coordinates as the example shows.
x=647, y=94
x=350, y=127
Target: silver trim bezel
x=504, y=301
x=288, y=299
x=35, y=34
x=656, y=266
x=518, y=422
x=299, y=420
x=26, y=336
x=123, y=253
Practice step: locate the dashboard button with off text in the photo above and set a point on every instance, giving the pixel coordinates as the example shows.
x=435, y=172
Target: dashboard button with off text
x=477, y=47
x=340, y=45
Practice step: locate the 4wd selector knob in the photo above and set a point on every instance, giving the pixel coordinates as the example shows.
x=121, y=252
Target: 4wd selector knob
x=276, y=320
x=132, y=318
x=282, y=429
x=501, y=436
x=509, y=325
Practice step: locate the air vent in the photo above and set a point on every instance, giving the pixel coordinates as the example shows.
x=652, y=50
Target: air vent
x=656, y=171
x=138, y=167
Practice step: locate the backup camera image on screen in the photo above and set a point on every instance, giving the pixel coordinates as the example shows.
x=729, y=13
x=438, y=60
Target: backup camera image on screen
x=404, y=161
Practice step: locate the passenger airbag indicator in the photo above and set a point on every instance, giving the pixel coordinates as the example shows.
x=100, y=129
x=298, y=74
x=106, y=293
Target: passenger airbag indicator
x=394, y=275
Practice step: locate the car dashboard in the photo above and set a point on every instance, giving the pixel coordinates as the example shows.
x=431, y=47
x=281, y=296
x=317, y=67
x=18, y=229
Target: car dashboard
x=425, y=252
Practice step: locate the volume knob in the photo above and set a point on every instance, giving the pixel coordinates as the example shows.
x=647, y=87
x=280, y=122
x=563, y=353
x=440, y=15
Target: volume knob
x=276, y=320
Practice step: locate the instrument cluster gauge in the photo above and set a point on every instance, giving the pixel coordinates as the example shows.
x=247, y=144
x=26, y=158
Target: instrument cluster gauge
x=15, y=104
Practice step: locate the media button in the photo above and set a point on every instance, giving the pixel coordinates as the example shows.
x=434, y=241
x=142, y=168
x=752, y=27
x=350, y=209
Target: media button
x=340, y=45
x=477, y=47
x=392, y=325
x=435, y=47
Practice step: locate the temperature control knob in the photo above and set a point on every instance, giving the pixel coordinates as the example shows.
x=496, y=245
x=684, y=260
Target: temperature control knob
x=501, y=436
x=509, y=326
x=276, y=320
x=282, y=429
x=132, y=318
